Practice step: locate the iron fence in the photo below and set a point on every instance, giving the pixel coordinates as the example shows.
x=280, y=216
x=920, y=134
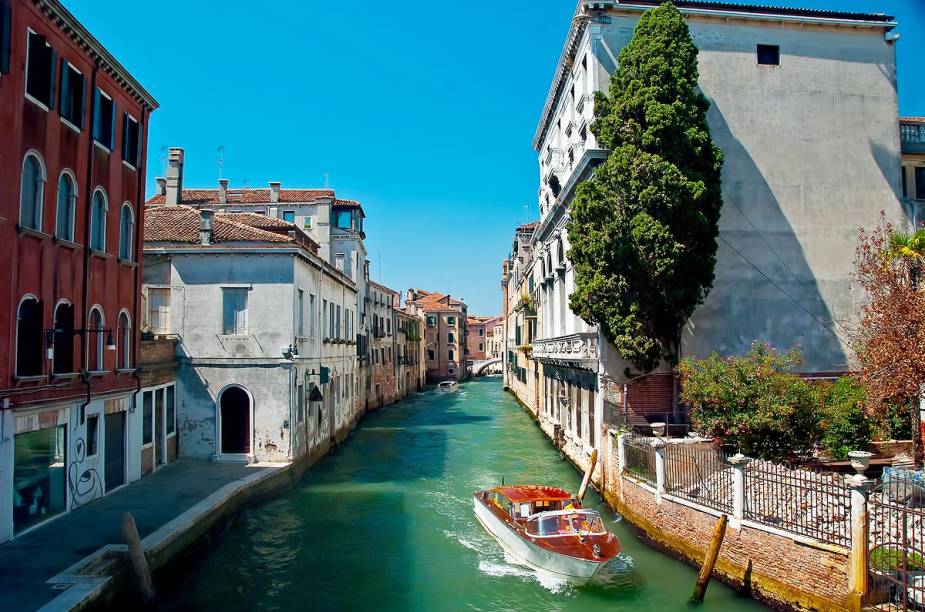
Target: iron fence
x=808, y=502
x=700, y=474
x=896, y=558
x=639, y=455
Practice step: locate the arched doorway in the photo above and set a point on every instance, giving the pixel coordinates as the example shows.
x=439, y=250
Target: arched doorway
x=235, y=407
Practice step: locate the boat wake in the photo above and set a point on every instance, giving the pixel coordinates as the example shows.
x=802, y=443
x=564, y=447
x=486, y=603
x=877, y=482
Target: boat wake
x=510, y=568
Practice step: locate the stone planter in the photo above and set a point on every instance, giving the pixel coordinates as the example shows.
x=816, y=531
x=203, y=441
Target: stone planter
x=860, y=461
x=658, y=429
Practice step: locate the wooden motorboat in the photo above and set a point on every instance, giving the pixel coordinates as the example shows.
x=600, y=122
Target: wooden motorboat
x=547, y=529
x=448, y=386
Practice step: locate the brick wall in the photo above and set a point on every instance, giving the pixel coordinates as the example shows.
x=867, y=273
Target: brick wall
x=787, y=573
x=651, y=395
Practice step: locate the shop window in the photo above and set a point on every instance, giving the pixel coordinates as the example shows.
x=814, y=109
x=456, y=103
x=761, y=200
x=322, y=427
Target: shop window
x=38, y=476
x=30, y=341
x=93, y=430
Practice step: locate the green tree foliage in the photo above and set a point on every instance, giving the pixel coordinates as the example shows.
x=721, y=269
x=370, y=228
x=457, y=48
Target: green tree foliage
x=754, y=402
x=643, y=228
x=844, y=424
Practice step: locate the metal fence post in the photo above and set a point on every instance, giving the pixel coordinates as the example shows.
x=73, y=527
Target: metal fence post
x=659, y=446
x=857, y=561
x=621, y=453
x=738, y=462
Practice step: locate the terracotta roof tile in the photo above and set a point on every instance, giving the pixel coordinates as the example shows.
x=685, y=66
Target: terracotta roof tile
x=912, y=119
x=180, y=224
x=247, y=196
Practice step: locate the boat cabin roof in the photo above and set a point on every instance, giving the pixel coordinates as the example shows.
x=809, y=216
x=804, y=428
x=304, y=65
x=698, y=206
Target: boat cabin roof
x=531, y=493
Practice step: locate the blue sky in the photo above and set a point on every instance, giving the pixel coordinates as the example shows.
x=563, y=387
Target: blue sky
x=423, y=111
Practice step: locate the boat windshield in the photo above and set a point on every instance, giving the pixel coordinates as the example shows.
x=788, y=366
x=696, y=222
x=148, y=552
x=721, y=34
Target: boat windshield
x=565, y=523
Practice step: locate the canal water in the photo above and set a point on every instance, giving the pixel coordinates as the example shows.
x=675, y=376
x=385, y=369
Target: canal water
x=387, y=524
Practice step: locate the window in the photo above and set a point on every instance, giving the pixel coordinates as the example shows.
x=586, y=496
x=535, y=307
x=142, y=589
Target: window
x=6, y=26
x=67, y=204
x=769, y=55
x=32, y=192
x=344, y=219
x=95, y=340
x=451, y=354
x=481, y=331
x=99, y=209
x=40, y=70
x=430, y=354
x=234, y=311
x=130, y=149
x=311, y=315
x=63, y=339
x=324, y=315
x=300, y=315
x=337, y=326
x=920, y=183
x=481, y=346
x=451, y=371
x=431, y=320
x=451, y=320
x=147, y=414
x=104, y=119
x=451, y=338
x=126, y=227
x=300, y=404
x=124, y=341
x=71, y=105
x=331, y=333
x=93, y=430
x=29, y=337
x=171, y=409
x=159, y=311
x=289, y=216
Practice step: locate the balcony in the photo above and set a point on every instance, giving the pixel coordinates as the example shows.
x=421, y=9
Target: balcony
x=912, y=136
x=575, y=349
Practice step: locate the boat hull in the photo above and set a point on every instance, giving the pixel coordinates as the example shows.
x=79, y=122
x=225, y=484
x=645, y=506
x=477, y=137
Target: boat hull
x=575, y=571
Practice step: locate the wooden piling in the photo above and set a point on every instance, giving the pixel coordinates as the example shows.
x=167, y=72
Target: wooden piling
x=587, y=479
x=139, y=561
x=710, y=560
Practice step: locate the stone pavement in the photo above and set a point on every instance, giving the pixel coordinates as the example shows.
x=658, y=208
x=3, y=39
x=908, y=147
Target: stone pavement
x=29, y=561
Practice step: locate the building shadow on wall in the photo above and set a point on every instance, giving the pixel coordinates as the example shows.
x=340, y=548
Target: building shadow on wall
x=763, y=289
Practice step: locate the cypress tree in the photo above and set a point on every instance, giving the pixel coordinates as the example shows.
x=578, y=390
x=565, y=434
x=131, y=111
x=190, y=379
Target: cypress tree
x=643, y=228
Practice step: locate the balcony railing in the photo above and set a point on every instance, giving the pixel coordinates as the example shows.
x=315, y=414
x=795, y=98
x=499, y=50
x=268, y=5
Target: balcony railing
x=574, y=347
x=912, y=137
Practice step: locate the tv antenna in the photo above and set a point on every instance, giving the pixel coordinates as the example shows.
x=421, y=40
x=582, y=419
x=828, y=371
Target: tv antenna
x=221, y=160
x=163, y=160
x=326, y=182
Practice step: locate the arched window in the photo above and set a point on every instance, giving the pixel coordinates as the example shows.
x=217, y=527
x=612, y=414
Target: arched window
x=98, y=212
x=560, y=254
x=63, y=347
x=125, y=341
x=67, y=204
x=32, y=192
x=95, y=340
x=30, y=341
x=126, y=226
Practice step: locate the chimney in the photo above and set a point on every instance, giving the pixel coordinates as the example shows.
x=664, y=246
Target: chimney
x=223, y=191
x=161, y=186
x=174, y=176
x=206, y=218
x=274, y=191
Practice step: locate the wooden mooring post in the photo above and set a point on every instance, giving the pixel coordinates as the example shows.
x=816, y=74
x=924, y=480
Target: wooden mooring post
x=139, y=562
x=710, y=560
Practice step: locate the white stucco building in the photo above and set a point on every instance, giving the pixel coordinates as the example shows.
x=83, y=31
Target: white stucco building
x=263, y=324
x=804, y=105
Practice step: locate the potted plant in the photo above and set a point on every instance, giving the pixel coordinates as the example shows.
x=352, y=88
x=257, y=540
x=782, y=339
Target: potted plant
x=860, y=460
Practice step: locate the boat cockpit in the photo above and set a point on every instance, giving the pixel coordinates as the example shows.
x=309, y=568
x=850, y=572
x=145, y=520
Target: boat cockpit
x=565, y=523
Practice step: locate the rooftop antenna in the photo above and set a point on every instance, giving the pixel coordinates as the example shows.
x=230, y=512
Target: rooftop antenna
x=221, y=160
x=245, y=183
x=326, y=181
x=163, y=160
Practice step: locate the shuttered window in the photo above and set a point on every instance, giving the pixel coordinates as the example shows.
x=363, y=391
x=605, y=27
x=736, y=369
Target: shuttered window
x=130, y=152
x=159, y=311
x=40, y=70
x=234, y=307
x=6, y=26
x=104, y=119
x=73, y=92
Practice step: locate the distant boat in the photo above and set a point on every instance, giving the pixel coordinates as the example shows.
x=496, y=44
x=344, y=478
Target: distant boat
x=546, y=528
x=448, y=386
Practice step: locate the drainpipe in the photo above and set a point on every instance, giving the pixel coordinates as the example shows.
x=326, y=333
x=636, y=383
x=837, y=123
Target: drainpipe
x=88, y=190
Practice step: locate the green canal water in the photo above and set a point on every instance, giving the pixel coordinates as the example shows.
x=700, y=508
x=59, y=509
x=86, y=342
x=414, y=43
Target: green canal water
x=387, y=524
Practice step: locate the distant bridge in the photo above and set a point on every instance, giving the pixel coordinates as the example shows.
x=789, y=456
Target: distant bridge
x=479, y=367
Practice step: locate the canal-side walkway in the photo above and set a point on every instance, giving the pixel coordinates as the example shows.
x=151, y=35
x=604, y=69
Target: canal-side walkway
x=69, y=561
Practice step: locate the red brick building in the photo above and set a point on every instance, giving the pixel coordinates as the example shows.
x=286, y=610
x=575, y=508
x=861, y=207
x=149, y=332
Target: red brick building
x=72, y=167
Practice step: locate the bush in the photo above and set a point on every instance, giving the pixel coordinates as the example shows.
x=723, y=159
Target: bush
x=844, y=425
x=753, y=402
x=895, y=422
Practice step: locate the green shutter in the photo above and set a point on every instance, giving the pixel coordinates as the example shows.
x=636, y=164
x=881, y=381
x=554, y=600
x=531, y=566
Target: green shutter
x=79, y=119
x=124, y=136
x=96, y=113
x=64, y=104
x=52, y=65
x=6, y=24
x=112, y=134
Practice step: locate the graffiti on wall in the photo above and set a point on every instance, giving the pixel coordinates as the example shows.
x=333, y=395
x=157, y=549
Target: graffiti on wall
x=84, y=483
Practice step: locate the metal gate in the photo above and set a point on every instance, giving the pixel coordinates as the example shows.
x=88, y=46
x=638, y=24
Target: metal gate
x=896, y=561
x=115, y=450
